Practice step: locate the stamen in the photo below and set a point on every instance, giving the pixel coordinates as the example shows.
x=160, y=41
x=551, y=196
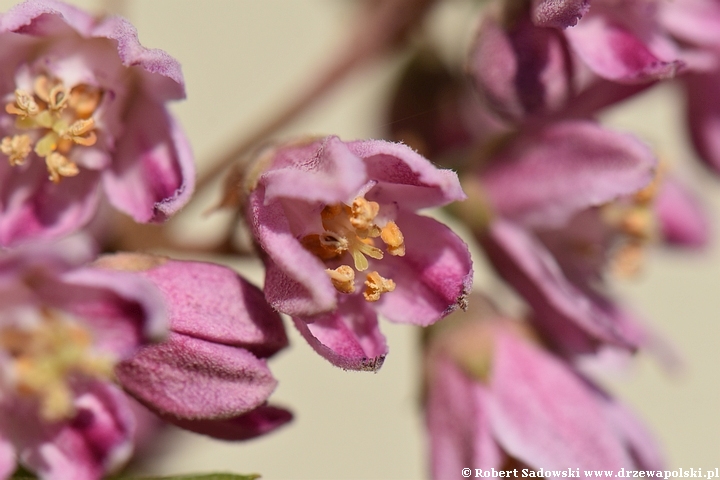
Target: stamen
x=323, y=249
x=361, y=218
x=24, y=106
x=393, y=238
x=58, y=98
x=45, y=356
x=342, y=278
x=637, y=223
x=84, y=100
x=628, y=260
x=376, y=286
x=59, y=166
x=17, y=148
x=78, y=130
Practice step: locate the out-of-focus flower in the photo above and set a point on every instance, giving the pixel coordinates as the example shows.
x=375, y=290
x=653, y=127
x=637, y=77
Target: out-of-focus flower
x=495, y=399
x=210, y=375
x=63, y=329
x=84, y=104
x=341, y=241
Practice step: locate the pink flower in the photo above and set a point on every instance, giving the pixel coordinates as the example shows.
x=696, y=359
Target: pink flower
x=495, y=399
x=84, y=104
x=210, y=374
x=73, y=337
x=62, y=330
x=341, y=241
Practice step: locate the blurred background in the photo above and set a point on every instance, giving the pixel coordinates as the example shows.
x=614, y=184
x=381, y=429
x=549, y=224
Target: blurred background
x=244, y=59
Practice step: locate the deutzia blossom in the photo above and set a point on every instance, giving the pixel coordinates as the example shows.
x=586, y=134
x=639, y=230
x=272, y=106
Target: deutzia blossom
x=84, y=105
x=341, y=242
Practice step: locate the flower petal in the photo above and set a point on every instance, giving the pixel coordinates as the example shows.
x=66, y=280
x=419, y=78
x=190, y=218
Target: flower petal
x=322, y=171
x=213, y=303
x=558, y=13
x=349, y=337
x=433, y=278
x=683, y=221
x=194, y=379
x=264, y=419
x=624, y=44
x=295, y=280
x=543, y=413
x=546, y=178
x=572, y=319
x=152, y=175
x=34, y=208
x=405, y=177
x=95, y=442
x=457, y=421
x=46, y=18
x=703, y=111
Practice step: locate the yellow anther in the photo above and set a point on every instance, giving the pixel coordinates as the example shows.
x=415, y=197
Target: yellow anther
x=24, y=106
x=375, y=285
x=637, y=223
x=17, y=148
x=46, y=356
x=342, y=278
x=58, y=98
x=361, y=217
x=84, y=100
x=628, y=260
x=59, y=166
x=393, y=238
x=81, y=132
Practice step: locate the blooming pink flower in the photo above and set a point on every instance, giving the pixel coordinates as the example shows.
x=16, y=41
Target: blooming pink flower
x=72, y=336
x=62, y=330
x=84, y=104
x=494, y=398
x=341, y=241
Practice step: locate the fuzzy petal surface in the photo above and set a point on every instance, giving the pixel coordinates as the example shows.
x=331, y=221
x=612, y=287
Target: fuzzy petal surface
x=624, y=44
x=349, y=337
x=458, y=423
x=264, y=419
x=434, y=277
x=543, y=413
x=558, y=13
x=546, y=178
x=194, y=379
x=153, y=173
x=560, y=307
x=405, y=177
x=211, y=302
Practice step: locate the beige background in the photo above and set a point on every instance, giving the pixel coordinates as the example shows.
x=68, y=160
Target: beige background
x=242, y=59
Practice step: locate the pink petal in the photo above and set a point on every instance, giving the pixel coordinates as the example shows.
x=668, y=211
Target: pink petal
x=323, y=171
x=521, y=71
x=545, y=415
x=694, y=21
x=8, y=462
x=624, y=45
x=295, y=280
x=95, y=442
x=570, y=316
x=405, y=177
x=213, y=303
x=457, y=422
x=434, y=277
x=703, y=111
x=46, y=18
x=545, y=178
x=34, y=208
x=194, y=379
x=162, y=77
x=349, y=337
x=558, y=13
x=264, y=419
x=639, y=441
x=152, y=175
x=682, y=219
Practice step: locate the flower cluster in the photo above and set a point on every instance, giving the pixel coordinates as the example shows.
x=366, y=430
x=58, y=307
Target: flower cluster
x=93, y=348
